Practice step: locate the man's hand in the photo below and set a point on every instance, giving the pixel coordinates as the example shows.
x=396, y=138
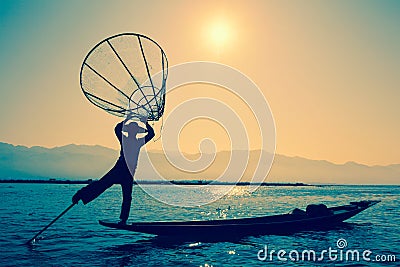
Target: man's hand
x=143, y=119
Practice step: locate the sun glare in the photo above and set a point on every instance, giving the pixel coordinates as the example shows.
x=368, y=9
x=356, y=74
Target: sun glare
x=219, y=34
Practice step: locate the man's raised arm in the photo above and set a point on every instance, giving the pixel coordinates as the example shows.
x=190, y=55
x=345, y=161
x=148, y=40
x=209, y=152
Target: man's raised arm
x=150, y=133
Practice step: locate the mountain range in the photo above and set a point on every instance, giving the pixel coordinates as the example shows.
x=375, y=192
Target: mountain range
x=91, y=162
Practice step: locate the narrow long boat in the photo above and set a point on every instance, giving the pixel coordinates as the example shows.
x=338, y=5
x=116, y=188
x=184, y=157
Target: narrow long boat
x=315, y=217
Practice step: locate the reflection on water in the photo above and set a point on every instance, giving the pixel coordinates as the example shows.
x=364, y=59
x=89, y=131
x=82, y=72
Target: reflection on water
x=77, y=238
x=187, y=195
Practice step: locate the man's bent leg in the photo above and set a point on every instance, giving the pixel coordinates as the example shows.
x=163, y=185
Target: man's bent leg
x=95, y=189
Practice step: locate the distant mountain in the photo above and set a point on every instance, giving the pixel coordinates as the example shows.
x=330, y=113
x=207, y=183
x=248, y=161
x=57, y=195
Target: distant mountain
x=320, y=171
x=83, y=162
x=71, y=161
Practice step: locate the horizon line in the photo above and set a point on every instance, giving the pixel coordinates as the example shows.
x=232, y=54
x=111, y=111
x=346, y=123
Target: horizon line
x=179, y=182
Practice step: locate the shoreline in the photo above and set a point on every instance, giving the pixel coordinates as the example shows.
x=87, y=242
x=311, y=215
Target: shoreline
x=190, y=182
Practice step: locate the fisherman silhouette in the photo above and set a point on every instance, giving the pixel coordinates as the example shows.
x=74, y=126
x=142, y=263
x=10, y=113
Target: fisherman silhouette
x=120, y=173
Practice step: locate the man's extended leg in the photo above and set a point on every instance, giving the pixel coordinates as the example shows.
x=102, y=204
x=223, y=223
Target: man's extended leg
x=94, y=189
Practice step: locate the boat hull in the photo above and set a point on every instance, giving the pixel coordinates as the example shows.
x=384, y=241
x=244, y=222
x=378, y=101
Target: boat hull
x=276, y=224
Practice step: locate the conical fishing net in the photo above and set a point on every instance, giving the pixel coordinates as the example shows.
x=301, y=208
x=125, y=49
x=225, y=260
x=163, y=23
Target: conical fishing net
x=119, y=76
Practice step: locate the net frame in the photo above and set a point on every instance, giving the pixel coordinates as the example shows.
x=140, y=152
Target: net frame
x=154, y=112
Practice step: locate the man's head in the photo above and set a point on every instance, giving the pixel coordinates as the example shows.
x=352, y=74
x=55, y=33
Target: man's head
x=133, y=127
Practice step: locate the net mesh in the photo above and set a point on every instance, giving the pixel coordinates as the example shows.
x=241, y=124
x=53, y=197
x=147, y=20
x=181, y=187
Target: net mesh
x=119, y=76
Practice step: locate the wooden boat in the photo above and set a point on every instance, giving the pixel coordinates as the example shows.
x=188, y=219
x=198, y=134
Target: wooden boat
x=315, y=217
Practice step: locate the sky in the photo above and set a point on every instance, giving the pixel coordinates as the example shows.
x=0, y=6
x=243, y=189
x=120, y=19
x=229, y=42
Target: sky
x=330, y=70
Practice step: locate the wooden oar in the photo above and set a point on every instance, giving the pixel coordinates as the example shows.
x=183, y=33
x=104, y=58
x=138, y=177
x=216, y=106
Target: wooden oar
x=53, y=221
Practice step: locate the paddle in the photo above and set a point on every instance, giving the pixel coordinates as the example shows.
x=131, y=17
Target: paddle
x=53, y=221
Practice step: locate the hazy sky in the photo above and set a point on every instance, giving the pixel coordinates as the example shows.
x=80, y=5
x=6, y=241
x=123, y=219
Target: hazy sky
x=330, y=70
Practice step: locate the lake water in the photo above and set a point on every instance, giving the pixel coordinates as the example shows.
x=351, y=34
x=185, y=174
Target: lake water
x=78, y=240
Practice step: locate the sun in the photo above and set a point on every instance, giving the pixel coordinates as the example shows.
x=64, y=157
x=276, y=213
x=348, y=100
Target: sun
x=219, y=33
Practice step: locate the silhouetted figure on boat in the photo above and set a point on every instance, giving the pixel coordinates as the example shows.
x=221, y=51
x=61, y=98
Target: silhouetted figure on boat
x=120, y=173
